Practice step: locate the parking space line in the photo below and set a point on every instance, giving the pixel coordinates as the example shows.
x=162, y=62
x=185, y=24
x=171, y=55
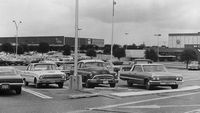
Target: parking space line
x=141, y=101
x=126, y=94
x=36, y=93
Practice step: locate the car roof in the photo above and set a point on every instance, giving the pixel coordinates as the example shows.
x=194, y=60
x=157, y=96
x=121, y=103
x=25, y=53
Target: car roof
x=149, y=64
x=91, y=60
x=42, y=63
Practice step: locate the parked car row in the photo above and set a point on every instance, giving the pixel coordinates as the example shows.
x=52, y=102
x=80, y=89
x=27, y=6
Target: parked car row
x=93, y=72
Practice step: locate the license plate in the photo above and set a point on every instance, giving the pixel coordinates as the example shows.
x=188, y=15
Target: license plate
x=5, y=86
x=105, y=82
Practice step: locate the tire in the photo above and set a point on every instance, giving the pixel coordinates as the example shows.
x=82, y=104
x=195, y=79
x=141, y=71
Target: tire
x=129, y=83
x=18, y=90
x=147, y=85
x=89, y=85
x=37, y=85
x=112, y=85
x=25, y=83
x=60, y=85
x=174, y=87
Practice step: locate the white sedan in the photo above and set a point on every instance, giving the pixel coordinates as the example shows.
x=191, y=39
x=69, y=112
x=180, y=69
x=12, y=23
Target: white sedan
x=43, y=73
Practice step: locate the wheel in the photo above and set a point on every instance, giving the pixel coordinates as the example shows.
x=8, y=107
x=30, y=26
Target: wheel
x=89, y=85
x=25, y=83
x=37, y=85
x=18, y=90
x=148, y=85
x=129, y=83
x=112, y=85
x=60, y=85
x=174, y=86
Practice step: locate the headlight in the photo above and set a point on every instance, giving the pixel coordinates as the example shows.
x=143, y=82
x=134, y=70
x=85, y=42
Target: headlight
x=41, y=77
x=155, y=78
x=63, y=76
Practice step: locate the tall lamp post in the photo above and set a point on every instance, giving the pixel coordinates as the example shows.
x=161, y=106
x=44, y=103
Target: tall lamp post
x=113, y=14
x=158, y=35
x=16, y=35
x=126, y=36
x=76, y=81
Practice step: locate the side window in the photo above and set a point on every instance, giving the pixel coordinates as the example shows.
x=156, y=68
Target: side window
x=29, y=68
x=79, y=65
x=137, y=69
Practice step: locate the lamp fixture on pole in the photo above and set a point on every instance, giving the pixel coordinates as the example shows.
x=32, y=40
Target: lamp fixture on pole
x=16, y=35
x=157, y=35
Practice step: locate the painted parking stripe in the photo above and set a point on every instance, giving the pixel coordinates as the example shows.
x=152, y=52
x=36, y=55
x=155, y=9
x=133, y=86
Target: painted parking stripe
x=36, y=93
x=141, y=101
x=158, y=107
x=194, y=111
x=126, y=94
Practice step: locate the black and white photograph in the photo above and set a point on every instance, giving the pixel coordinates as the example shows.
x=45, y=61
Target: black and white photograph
x=99, y=56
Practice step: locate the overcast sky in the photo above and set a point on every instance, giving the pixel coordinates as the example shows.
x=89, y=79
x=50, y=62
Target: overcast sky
x=141, y=19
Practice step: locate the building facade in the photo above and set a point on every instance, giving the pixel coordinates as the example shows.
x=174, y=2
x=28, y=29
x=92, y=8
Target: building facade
x=180, y=40
x=51, y=40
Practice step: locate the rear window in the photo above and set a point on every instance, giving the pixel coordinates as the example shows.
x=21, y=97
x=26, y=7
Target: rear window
x=41, y=67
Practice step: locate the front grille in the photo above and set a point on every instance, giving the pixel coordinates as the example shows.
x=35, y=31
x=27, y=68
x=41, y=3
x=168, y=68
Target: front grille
x=11, y=81
x=104, y=77
x=52, y=77
x=167, y=78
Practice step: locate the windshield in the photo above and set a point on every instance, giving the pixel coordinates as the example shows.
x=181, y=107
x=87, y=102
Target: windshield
x=94, y=64
x=7, y=71
x=194, y=62
x=154, y=68
x=44, y=67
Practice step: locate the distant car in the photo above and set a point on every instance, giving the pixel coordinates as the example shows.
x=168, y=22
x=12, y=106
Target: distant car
x=194, y=65
x=94, y=72
x=115, y=66
x=65, y=68
x=10, y=79
x=43, y=73
x=142, y=61
x=151, y=75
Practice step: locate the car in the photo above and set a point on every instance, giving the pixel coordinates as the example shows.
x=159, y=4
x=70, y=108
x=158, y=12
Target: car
x=115, y=65
x=151, y=75
x=95, y=72
x=65, y=68
x=43, y=73
x=10, y=79
x=194, y=65
x=142, y=61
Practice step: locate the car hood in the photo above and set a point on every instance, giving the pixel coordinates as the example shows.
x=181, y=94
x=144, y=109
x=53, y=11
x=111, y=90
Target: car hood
x=164, y=74
x=46, y=72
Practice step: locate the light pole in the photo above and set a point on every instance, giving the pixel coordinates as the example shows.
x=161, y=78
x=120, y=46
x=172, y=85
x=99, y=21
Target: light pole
x=75, y=80
x=79, y=33
x=113, y=14
x=17, y=31
x=158, y=35
x=126, y=36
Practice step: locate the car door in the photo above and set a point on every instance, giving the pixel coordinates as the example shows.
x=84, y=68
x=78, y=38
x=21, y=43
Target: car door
x=28, y=75
x=137, y=74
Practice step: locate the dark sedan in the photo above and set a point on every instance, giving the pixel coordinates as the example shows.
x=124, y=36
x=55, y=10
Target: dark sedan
x=10, y=79
x=95, y=72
